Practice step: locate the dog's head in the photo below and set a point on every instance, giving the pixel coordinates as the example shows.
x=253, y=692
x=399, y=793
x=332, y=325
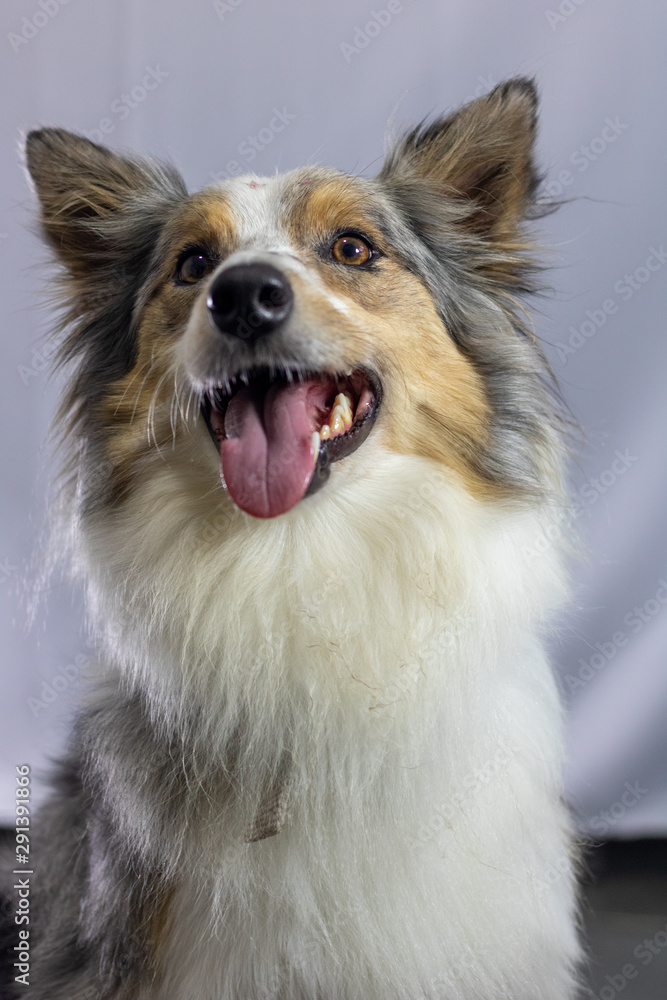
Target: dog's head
x=279, y=324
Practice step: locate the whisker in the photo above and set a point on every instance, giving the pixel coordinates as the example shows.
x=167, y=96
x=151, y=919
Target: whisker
x=150, y=422
x=135, y=375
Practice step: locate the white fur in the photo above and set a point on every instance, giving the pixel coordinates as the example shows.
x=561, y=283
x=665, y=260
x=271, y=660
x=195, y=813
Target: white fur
x=387, y=631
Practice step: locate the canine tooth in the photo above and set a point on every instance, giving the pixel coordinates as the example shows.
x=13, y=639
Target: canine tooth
x=340, y=417
x=343, y=401
x=342, y=411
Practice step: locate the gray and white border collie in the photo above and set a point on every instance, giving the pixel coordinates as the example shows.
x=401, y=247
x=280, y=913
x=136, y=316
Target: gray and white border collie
x=310, y=444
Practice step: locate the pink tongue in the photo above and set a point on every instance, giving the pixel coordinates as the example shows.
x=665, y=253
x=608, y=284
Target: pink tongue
x=267, y=454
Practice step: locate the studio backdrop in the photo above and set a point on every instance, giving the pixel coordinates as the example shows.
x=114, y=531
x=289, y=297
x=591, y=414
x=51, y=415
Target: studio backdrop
x=224, y=88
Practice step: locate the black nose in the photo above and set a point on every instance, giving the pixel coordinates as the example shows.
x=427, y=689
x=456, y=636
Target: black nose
x=250, y=300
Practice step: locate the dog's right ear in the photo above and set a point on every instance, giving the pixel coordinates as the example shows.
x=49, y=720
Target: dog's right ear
x=480, y=157
x=86, y=193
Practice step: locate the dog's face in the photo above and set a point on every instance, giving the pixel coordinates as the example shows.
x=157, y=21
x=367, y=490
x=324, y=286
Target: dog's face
x=301, y=327
x=289, y=320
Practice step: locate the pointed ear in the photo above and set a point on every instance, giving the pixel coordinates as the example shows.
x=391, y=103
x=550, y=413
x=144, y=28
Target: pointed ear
x=481, y=156
x=85, y=189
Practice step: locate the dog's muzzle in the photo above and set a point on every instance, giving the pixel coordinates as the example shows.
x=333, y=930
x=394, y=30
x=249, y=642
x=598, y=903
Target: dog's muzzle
x=278, y=426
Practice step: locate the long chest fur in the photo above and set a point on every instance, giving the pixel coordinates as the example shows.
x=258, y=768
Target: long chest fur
x=401, y=716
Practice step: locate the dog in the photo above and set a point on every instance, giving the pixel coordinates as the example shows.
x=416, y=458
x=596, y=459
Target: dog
x=310, y=443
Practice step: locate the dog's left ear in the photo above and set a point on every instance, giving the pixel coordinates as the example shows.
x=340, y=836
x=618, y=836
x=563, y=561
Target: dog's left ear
x=481, y=156
x=87, y=195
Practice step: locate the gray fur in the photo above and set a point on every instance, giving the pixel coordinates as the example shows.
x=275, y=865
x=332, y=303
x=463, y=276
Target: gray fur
x=100, y=875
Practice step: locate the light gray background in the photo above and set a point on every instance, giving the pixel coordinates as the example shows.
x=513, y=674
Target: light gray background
x=220, y=75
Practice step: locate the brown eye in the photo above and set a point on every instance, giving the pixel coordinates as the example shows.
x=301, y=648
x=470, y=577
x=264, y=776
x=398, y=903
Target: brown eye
x=351, y=250
x=193, y=267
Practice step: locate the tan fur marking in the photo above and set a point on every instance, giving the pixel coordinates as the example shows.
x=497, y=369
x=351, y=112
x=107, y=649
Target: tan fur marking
x=206, y=219
x=328, y=205
x=435, y=403
x=138, y=409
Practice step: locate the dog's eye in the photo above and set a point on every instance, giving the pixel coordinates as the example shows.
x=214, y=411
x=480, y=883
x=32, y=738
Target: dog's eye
x=193, y=266
x=351, y=249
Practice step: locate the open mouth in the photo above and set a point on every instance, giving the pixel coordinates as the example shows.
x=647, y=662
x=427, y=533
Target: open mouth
x=278, y=435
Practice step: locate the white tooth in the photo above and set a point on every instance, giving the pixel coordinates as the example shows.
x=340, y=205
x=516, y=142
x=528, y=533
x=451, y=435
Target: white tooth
x=315, y=446
x=336, y=421
x=341, y=413
x=325, y=432
x=344, y=403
